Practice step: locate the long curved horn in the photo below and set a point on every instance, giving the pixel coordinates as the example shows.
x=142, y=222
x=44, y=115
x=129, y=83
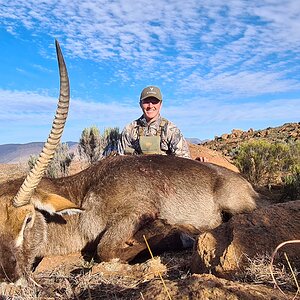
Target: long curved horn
x=36, y=173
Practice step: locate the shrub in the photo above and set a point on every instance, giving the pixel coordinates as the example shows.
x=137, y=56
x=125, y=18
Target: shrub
x=292, y=184
x=90, y=144
x=291, y=180
x=60, y=163
x=110, y=140
x=263, y=162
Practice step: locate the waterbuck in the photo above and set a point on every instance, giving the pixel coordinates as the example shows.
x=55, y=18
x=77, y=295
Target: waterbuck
x=110, y=204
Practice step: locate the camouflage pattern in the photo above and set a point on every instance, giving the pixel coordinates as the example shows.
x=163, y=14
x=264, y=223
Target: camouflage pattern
x=172, y=141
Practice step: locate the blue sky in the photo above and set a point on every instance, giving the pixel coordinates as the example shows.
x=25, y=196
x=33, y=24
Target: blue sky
x=219, y=66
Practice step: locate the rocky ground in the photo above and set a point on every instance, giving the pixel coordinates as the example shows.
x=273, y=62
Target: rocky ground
x=228, y=143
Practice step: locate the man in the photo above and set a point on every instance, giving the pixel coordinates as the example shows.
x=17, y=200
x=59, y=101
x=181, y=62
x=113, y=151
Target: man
x=152, y=134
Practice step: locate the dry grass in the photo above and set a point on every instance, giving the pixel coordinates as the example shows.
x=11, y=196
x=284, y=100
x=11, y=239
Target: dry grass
x=107, y=280
x=12, y=171
x=258, y=272
x=293, y=271
x=282, y=277
x=116, y=280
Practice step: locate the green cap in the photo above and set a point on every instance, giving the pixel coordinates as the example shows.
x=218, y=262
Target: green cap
x=151, y=91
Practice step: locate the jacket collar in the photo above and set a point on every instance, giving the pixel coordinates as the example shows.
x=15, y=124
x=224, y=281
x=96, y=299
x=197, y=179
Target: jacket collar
x=143, y=122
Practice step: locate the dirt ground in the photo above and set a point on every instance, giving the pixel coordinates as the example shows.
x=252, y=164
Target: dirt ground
x=211, y=156
x=164, y=277
x=11, y=171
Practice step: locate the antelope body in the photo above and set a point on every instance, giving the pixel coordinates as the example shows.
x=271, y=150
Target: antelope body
x=109, y=203
x=117, y=196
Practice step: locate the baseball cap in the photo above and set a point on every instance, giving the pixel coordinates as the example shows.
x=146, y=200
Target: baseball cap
x=151, y=91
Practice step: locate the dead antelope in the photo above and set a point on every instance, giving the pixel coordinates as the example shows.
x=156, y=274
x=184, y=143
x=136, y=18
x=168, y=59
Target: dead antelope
x=118, y=198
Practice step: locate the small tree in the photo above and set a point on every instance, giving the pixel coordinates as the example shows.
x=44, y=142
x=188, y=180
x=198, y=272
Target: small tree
x=110, y=140
x=90, y=144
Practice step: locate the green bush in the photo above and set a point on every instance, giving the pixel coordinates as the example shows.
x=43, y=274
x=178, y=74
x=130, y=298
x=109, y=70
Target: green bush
x=110, y=140
x=263, y=162
x=294, y=149
x=292, y=184
x=94, y=146
x=90, y=144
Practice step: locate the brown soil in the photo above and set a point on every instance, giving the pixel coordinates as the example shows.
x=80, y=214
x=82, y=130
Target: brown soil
x=212, y=156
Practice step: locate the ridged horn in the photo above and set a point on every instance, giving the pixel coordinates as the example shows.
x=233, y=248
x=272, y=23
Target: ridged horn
x=35, y=175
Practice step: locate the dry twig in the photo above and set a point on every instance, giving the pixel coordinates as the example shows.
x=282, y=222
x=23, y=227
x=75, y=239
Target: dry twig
x=271, y=267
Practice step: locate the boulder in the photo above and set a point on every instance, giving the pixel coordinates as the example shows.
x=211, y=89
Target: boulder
x=236, y=133
x=228, y=249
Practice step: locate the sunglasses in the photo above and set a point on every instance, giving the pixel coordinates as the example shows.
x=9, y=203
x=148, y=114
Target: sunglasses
x=150, y=100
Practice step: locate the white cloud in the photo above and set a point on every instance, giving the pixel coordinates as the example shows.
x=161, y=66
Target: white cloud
x=24, y=110
x=141, y=31
x=212, y=49
x=242, y=83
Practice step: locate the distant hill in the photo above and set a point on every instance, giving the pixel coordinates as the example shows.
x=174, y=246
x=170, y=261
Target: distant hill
x=228, y=143
x=20, y=153
x=194, y=141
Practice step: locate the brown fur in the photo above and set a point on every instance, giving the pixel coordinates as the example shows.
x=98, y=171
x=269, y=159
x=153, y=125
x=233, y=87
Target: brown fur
x=121, y=197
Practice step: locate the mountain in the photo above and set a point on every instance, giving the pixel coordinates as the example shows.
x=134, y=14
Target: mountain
x=20, y=153
x=194, y=141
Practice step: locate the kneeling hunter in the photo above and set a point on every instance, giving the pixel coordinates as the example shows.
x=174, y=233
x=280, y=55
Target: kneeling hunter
x=151, y=133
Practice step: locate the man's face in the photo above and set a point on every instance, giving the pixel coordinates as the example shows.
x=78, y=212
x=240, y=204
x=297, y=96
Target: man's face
x=151, y=108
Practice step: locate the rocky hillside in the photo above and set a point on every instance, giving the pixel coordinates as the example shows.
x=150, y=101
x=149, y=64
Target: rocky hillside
x=228, y=143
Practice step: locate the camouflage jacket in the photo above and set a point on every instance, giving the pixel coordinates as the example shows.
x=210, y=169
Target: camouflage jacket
x=171, y=139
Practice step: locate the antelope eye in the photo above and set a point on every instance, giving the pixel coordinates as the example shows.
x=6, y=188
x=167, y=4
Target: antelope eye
x=28, y=220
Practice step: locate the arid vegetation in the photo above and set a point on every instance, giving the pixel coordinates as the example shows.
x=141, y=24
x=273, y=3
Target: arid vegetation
x=93, y=146
x=60, y=163
x=265, y=164
x=267, y=158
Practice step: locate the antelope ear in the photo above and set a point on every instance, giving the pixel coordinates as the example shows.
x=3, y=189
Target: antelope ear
x=54, y=204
